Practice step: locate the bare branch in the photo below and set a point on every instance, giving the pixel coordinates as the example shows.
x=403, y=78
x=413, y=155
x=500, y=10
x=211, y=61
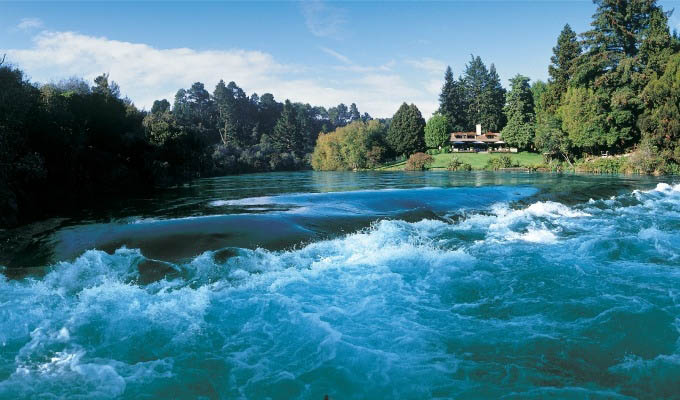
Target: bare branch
x=3, y=59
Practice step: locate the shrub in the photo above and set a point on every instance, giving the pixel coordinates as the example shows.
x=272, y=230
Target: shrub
x=497, y=163
x=418, y=162
x=602, y=165
x=457, y=165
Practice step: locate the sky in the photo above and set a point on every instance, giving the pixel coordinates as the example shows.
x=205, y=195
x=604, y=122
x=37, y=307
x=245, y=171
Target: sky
x=377, y=54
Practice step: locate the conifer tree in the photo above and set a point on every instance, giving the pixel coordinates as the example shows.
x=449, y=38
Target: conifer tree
x=475, y=79
x=452, y=102
x=493, y=100
x=406, y=133
x=519, y=110
x=287, y=135
x=565, y=53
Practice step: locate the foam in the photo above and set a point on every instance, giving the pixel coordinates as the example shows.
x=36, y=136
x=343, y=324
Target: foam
x=484, y=307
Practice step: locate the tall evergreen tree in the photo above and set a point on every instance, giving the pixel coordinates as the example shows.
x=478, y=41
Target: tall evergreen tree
x=493, y=100
x=519, y=110
x=658, y=44
x=452, y=102
x=660, y=122
x=565, y=53
x=354, y=114
x=484, y=96
x=226, y=124
x=406, y=133
x=618, y=29
x=287, y=135
x=475, y=80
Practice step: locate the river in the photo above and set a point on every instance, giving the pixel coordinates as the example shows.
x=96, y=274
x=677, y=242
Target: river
x=352, y=285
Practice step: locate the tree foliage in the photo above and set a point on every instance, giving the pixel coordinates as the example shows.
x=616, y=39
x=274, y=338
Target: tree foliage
x=660, y=122
x=567, y=50
x=73, y=141
x=358, y=145
x=406, y=134
x=519, y=110
x=477, y=97
x=437, y=131
x=453, y=102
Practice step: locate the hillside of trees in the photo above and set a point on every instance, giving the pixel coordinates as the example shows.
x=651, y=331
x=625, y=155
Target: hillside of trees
x=69, y=143
x=614, y=89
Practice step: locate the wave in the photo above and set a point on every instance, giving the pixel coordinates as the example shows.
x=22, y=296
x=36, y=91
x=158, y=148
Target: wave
x=580, y=299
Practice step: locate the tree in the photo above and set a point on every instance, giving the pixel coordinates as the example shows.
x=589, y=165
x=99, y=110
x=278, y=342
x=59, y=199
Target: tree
x=354, y=114
x=406, y=132
x=437, y=131
x=484, y=96
x=493, y=100
x=519, y=110
x=103, y=87
x=268, y=112
x=551, y=140
x=618, y=27
x=161, y=127
x=287, y=135
x=538, y=94
x=658, y=44
x=355, y=146
x=567, y=50
x=584, y=119
x=160, y=106
x=339, y=116
x=660, y=122
x=475, y=79
x=452, y=102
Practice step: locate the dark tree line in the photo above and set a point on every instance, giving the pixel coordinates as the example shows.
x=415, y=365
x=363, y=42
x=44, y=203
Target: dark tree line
x=67, y=144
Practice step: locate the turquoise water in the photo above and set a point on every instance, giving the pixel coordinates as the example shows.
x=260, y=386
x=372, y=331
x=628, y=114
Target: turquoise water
x=296, y=286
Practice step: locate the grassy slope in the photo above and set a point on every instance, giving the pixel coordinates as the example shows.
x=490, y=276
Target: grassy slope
x=477, y=160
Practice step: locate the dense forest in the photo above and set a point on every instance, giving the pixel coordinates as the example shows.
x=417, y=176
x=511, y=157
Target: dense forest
x=66, y=144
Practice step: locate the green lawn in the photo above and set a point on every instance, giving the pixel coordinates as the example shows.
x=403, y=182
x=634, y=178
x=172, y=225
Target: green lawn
x=477, y=160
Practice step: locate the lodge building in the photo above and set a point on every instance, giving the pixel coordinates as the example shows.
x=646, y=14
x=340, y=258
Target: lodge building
x=473, y=142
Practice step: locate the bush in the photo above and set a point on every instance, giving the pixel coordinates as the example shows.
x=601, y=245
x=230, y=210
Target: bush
x=457, y=165
x=418, y=162
x=646, y=159
x=497, y=163
x=602, y=165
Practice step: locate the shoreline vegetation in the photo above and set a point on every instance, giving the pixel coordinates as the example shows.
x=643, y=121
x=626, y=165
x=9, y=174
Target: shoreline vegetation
x=611, y=105
x=613, y=90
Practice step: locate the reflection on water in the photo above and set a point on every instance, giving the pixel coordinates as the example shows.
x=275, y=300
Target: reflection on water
x=110, y=225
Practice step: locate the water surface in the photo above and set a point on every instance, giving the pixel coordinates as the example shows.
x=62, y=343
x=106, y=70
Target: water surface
x=355, y=285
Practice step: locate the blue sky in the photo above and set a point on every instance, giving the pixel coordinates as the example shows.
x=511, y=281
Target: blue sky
x=377, y=54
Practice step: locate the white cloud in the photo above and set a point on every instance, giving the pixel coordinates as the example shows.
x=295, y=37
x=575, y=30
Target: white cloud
x=349, y=66
x=30, y=23
x=145, y=73
x=337, y=55
x=430, y=65
x=323, y=20
x=434, y=86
